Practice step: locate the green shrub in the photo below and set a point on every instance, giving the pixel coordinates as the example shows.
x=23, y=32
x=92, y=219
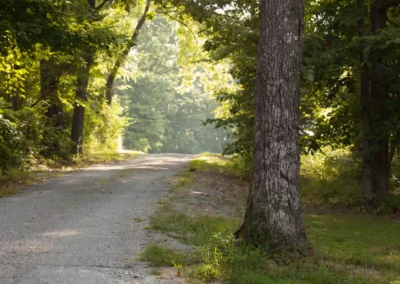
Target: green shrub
x=330, y=178
x=9, y=144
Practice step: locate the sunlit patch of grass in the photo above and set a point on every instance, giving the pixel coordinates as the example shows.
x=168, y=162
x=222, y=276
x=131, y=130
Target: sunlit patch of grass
x=356, y=239
x=220, y=164
x=209, y=154
x=107, y=156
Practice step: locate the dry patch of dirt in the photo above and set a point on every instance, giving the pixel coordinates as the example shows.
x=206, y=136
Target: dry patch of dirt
x=213, y=194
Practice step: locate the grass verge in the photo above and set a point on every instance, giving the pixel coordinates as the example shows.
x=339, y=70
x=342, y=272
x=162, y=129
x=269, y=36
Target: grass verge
x=347, y=248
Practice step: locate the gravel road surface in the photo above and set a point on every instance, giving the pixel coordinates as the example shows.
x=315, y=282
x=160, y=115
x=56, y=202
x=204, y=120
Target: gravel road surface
x=87, y=226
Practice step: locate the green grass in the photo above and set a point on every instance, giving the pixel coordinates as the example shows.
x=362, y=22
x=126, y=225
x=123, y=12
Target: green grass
x=196, y=231
x=356, y=239
x=106, y=156
x=220, y=164
x=182, y=181
x=160, y=255
x=7, y=192
x=348, y=249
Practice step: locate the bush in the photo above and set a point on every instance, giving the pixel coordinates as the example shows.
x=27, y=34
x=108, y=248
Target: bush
x=330, y=178
x=9, y=144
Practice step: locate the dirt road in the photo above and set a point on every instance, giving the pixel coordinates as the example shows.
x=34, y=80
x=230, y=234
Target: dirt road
x=86, y=226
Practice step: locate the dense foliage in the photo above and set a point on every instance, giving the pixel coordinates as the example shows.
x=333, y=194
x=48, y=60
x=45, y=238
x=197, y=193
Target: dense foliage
x=55, y=66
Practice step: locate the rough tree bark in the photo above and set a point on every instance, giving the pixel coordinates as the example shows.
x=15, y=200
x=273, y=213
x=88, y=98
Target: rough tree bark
x=379, y=100
x=78, y=118
x=274, y=216
x=124, y=54
x=367, y=180
x=50, y=75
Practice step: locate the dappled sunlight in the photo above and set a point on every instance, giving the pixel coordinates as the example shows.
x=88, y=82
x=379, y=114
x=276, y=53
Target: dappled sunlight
x=62, y=233
x=24, y=247
x=154, y=162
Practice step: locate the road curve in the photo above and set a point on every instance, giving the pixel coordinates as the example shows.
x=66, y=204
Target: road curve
x=86, y=226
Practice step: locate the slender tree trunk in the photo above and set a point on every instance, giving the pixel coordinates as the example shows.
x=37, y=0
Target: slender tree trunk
x=274, y=215
x=16, y=102
x=16, y=99
x=379, y=100
x=367, y=181
x=122, y=57
x=78, y=119
x=50, y=75
x=82, y=83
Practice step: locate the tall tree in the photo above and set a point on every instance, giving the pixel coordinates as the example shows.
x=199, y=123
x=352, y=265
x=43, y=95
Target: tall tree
x=124, y=54
x=379, y=101
x=367, y=179
x=83, y=75
x=274, y=215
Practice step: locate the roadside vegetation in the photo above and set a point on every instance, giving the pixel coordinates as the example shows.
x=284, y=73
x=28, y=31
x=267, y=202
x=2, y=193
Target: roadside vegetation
x=14, y=178
x=349, y=246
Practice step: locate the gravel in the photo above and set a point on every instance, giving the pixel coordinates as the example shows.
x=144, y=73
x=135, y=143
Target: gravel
x=86, y=226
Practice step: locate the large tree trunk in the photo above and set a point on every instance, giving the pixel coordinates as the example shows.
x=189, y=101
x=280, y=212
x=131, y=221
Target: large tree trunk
x=78, y=119
x=367, y=181
x=274, y=215
x=124, y=54
x=379, y=101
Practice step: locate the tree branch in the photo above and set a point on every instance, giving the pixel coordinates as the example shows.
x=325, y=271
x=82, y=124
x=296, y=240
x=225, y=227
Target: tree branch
x=38, y=101
x=102, y=4
x=393, y=23
x=391, y=3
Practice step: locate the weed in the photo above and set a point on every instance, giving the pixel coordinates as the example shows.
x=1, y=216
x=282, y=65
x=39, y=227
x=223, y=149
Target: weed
x=155, y=272
x=7, y=192
x=159, y=256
